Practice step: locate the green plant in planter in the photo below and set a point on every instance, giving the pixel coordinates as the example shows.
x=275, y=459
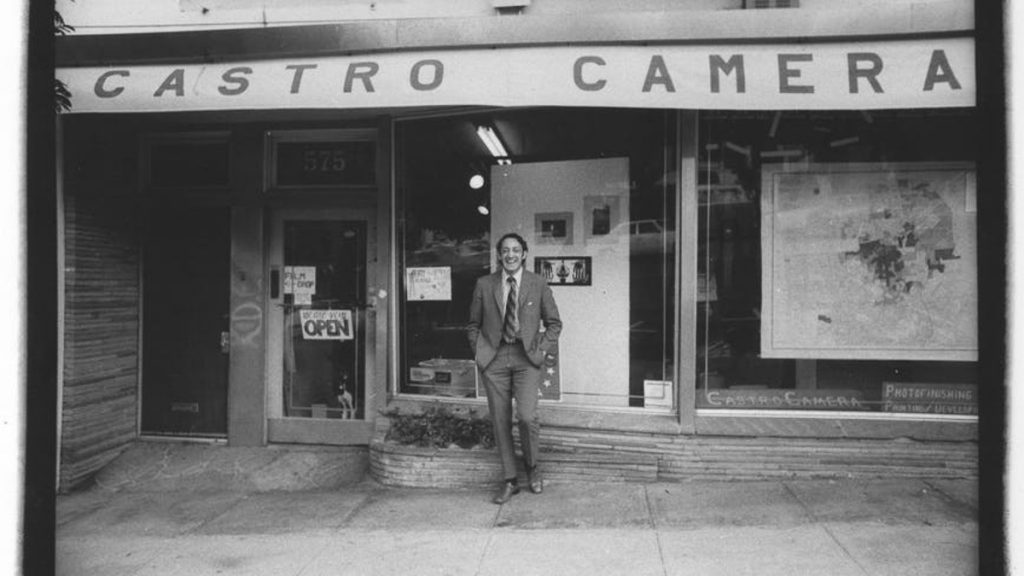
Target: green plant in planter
x=439, y=427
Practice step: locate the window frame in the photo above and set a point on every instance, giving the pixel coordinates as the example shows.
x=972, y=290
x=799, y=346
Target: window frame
x=680, y=417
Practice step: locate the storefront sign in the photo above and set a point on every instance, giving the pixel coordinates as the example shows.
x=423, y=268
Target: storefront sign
x=925, y=398
x=850, y=75
x=783, y=399
x=326, y=324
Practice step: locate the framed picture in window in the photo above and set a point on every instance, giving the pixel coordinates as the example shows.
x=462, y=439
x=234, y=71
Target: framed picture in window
x=601, y=218
x=553, y=228
x=565, y=271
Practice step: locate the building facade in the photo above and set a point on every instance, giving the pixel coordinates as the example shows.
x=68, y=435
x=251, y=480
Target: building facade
x=758, y=220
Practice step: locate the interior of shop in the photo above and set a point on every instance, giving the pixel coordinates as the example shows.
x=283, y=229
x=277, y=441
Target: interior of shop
x=592, y=191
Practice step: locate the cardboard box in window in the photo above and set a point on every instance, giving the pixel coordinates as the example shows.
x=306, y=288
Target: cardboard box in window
x=657, y=394
x=446, y=377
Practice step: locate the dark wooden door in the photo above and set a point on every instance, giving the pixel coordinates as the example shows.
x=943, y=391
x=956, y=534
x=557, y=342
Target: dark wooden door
x=185, y=321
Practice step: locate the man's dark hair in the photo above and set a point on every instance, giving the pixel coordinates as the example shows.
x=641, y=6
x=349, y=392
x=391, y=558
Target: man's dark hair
x=514, y=236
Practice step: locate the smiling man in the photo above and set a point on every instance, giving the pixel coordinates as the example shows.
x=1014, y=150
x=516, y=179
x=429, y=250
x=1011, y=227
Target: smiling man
x=513, y=323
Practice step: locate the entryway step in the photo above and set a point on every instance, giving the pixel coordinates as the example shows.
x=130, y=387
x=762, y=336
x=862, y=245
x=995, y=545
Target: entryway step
x=162, y=466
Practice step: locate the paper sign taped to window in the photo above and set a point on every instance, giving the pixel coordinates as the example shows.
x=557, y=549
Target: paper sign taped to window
x=300, y=279
x=432, y=283
x=326, y=324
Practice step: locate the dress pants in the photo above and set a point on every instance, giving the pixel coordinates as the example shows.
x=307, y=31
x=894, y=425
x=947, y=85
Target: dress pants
x=511, y=374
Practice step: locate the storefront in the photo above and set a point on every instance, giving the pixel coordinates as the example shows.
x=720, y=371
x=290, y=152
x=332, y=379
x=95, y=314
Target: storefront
x=272, y=234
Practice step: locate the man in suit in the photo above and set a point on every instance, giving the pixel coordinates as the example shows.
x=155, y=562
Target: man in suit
x=509, y=309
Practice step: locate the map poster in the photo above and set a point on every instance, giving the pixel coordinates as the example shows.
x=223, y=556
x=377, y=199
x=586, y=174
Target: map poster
x=869, y=261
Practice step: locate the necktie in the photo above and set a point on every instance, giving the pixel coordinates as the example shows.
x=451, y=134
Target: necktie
x=509, y=328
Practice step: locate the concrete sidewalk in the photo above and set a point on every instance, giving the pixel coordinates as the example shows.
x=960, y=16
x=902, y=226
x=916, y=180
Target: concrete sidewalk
x=818, y=527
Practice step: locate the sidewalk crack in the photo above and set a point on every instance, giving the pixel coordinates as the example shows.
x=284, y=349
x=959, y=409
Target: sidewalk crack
x=490, y=538
x=197, y=529
x=312, y=558
x=807, y=509
x=654, y=526
x=843, y=548
x=483, y=554
x=824, y=526
x=963, y=510
x=369, y=497
x=650, y=512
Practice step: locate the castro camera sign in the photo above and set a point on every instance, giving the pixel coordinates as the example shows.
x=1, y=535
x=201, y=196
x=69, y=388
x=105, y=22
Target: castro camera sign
x=326, y=324
x=920, y=73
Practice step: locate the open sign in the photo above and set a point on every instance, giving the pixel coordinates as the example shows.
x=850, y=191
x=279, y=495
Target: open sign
x=326, y=324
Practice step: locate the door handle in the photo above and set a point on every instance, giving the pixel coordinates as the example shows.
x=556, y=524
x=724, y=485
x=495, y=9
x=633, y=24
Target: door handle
x=225, y=342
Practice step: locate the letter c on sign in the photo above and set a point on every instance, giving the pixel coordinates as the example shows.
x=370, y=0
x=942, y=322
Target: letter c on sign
x=101, y=91
x=577, y=73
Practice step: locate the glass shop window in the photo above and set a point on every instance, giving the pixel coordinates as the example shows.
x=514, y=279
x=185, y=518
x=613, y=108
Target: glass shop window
x=592, y=192
x=837, y=261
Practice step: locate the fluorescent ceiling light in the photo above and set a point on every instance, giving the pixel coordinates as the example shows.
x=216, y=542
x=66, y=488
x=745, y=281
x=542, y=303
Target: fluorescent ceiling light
x=844, y=142
x=493, y=143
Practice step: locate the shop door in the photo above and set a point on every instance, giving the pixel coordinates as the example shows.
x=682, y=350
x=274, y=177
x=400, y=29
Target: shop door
x=322, y=327
x=185, y=321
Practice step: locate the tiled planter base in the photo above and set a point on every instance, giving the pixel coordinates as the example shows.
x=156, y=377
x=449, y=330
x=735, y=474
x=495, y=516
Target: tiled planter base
x=412, y=466
x=573, y=455
x=396, y=465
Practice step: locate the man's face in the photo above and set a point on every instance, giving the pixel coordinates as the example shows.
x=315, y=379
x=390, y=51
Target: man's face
x=511, y=255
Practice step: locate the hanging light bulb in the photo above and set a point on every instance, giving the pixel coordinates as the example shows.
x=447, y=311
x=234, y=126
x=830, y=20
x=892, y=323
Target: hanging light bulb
x=476, y=181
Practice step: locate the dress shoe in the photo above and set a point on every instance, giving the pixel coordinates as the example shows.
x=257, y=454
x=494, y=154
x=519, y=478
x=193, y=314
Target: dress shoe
x=536, y=480
x=508, y=490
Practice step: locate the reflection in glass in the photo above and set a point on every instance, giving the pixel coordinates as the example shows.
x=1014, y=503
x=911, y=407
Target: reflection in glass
x=810, y=223
x=324, y=283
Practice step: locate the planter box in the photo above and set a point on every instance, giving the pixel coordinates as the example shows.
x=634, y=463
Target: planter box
x=412, y=466
x=587, y=455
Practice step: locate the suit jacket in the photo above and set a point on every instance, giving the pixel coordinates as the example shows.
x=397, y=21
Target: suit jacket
x=536, y=308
